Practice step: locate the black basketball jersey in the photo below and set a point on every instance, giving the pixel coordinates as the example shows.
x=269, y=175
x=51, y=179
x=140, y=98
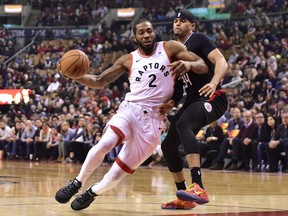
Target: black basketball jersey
x=201, y=45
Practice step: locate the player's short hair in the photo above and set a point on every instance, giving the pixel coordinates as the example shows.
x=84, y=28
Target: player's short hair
x=137, y=23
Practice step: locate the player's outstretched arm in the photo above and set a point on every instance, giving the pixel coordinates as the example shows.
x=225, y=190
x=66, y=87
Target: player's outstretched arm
x=109, y=75
x=186, y=60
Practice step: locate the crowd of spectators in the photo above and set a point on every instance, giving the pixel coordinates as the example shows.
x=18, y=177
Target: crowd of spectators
x=256, y=7
x=91, y=11
x=256, y=52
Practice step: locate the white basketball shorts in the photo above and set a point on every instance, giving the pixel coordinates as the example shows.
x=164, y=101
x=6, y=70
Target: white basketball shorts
x=140, y=129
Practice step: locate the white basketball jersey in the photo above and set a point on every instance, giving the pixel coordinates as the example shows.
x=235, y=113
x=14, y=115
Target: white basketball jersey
x=151, y=83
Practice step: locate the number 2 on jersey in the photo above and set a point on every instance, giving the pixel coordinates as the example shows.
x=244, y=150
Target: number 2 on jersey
x=152, y=80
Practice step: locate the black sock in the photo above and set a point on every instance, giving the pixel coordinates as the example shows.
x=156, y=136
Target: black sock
x=180, y=185
x=196, y=176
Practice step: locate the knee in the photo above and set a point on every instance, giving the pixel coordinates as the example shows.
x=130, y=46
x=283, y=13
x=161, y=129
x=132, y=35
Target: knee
x=168, y=147
x=107, y=146
x=164, y=147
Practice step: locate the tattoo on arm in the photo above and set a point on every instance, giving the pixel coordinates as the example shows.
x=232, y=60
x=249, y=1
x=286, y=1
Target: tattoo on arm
x=111, y=74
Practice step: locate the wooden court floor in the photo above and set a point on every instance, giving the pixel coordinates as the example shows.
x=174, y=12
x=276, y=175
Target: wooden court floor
x=28, y=188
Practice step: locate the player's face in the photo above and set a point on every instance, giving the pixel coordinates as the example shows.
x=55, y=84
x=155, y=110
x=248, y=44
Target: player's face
x=145, y=37
x=284, y=117
x=182, y=27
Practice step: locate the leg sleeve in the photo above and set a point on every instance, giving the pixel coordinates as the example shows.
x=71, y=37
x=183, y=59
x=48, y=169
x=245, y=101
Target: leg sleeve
x=192, y=119
x=170, y=149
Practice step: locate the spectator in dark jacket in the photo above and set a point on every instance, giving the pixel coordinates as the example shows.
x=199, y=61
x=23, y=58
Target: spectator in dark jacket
x=279, y=143
x=260, y=137
x=235, y=143
x=248, y=101
x=214, y=136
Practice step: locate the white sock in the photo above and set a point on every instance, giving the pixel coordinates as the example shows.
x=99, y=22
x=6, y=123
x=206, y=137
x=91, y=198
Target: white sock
x=110, y=180
x=96, y=154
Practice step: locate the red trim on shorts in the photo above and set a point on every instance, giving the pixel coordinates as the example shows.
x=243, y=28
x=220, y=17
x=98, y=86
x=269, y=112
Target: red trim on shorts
x=124, y=166
x=216, y=93
x=119, y=133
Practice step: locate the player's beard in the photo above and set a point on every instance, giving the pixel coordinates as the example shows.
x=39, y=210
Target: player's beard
x=150, y=49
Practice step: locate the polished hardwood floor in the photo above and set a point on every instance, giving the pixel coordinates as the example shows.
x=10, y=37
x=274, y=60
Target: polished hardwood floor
x=28, y=188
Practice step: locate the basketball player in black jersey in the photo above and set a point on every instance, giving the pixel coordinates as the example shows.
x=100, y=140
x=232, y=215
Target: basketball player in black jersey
x=205, y=102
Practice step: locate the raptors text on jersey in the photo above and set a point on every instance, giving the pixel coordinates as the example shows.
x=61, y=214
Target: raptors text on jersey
x=150, y=78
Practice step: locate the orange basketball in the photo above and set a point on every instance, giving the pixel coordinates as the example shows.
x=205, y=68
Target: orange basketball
x=74, y=64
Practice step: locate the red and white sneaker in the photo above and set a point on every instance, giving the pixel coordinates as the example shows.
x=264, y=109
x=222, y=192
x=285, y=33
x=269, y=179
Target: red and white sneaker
x=178, y=204
x=193, y=193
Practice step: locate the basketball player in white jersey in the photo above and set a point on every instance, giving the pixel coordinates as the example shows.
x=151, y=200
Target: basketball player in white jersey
x=137, y=123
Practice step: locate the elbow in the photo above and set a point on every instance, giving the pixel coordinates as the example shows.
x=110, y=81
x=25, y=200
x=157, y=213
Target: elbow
x=225, y=65
x=223, y=62
x=98, y=86
x=199, y=67
x=204, y=69
x=99, y=83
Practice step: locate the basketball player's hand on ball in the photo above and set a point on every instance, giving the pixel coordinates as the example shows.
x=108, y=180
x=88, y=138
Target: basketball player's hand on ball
x=179, y=68
x=208, y=90
x=165, y=107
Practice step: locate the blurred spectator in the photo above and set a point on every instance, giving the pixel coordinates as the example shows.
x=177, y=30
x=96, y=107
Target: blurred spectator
x=249, y=11
x=53, y=86
x=279, y=143
x=282, y=96
x=260, y=138
x=89, y=137
x=243, y=142
x=260, y=101
x=271, y=93
x=27, y=138
x=268, y=130
x=234, y=56
x=54, y=122
x=248, y=101
x=41, y=143
x=170, y=14
x=262, y=19
x=19, y=129
x=5, y=133
x=51, y=152
x=64, y=145
x=77, y=143
x=212, y=140
x=102, y=9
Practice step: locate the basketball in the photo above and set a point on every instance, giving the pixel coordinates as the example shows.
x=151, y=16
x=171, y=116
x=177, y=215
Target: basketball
x=74, y=64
